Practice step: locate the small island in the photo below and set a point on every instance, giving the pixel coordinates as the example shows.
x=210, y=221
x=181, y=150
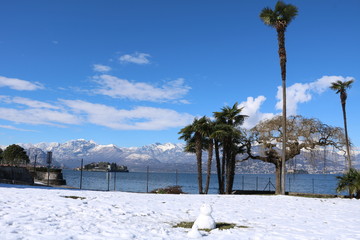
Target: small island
x=104, y=167
x=297, y=171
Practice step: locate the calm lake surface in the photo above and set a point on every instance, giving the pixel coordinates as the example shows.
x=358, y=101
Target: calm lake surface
x=143, y=182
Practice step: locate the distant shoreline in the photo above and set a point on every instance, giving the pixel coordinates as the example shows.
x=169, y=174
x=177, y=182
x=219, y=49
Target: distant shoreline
x=100, y=170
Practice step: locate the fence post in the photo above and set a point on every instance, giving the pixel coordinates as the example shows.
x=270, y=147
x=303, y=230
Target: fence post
x=176, y=178
x=108, y=178
x=147, y=179
x=257, y=182
x=115, y=180
x=289, y=184
x=243, y=179
x=313, y=185
x=35, y=164
x=81, y=172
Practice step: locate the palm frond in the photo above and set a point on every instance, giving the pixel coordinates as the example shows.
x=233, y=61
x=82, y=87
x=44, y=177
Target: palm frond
x=282, y=12
x=350, y=181
x=268, y=16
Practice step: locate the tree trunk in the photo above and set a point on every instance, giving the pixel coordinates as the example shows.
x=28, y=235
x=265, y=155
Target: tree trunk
x=210, y=156
x=198, y=149
x=278, y=175
x=231, y=174
x=282, y=55
x=218, y=167
x=346, y=137
x=223, y=166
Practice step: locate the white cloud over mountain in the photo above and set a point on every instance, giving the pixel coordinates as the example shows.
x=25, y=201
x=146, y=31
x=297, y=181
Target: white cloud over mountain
x=141, y=91
x=303, y=92
x=37, y=116
x=15, y=128
x=137, y=58
x=251, y=107
x=27, y=102
x=296, y=94
x=138, y=118
x=20, y=85
x=101, y=68
x=65, y=112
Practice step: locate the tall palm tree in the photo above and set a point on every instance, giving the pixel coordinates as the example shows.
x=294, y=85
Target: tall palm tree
x=279, y=18
x=194, y=134
x=341, y=87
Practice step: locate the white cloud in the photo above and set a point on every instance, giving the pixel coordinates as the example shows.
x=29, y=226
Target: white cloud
x=18, y=84
x=303, y=92
x=141, y=91
x=27, y=102
x=251, y=107
x=101, y=68
x=38, y=116
x=139, y=118
x=137, y=58
x=15, y=128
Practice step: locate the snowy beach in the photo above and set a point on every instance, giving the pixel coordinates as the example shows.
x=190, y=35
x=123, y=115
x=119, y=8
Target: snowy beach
x=52, y=213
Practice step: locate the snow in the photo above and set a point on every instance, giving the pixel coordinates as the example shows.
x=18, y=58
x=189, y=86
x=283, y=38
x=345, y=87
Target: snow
x=194, y=232
x=166, y=146
x=139, y=156
x=45, y=213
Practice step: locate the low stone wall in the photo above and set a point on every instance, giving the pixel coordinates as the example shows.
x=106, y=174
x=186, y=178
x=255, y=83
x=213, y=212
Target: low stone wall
x=15, y=175
x=55, y=177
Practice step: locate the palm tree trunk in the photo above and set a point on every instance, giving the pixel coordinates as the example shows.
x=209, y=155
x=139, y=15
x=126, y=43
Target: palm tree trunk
x=346, y=137
x=282, y=56
x=218, y=167
x=198, y=149
x=210, y=156
x=231, y=174
x=223, y=165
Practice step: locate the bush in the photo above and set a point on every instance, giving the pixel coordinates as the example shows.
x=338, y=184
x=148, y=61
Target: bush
x=14, y=155
x=168, y=190
x=350, y=181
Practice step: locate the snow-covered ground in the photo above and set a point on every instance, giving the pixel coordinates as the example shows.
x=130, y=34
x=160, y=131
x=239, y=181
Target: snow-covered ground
x=42, y=213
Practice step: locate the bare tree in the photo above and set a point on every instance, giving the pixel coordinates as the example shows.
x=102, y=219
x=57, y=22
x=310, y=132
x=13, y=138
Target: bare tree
x=303, y=134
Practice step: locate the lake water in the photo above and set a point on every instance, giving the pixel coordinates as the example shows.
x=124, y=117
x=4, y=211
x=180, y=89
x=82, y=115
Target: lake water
x=143, y=182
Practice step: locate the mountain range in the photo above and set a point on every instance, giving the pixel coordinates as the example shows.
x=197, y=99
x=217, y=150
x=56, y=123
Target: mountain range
x=165, y=157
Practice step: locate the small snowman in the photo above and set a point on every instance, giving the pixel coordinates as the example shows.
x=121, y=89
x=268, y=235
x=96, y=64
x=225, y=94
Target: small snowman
x=205, y=220
x=194, y=232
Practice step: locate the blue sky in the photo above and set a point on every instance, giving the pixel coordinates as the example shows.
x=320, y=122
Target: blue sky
x=134, y=72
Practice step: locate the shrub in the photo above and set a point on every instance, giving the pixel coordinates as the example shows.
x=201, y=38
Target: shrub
x=168, y=190
x=350, y=181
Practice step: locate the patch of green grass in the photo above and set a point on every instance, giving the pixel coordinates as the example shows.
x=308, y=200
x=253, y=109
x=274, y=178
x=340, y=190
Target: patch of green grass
x=74, y=197
x=220, y=226
x=313, y=195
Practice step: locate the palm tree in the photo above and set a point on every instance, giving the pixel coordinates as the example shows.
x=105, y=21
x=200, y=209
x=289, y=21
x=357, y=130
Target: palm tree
x=340, y=87
x=194, y=134
x=220, y=131
x=350, y=181
x=209, y=146
x=279, y=18
x=229, y=119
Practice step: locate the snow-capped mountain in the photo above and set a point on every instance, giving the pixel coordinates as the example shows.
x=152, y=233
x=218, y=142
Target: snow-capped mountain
x=69, y=154
x=165, y=157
